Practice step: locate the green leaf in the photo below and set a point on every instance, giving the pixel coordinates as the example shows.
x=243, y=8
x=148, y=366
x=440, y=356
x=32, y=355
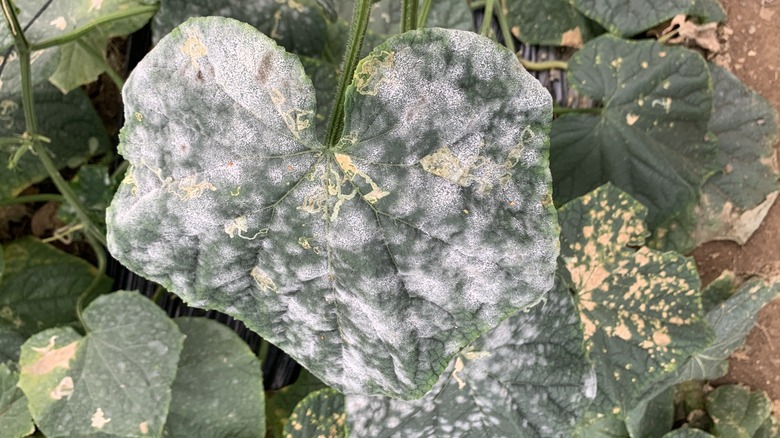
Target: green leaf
x=735, y=201
x=297, y=25
x=552, y=22
x=528, y=377
x=654, y=417
x=10, y=344
x=324, y=78
x=69, y=121
x=736, y=411
x=649, y=137
x=42, y=285
x=598, y=425
x=320, y=414
x=15, y=419
x=115, y=381
x=281, y=403
x=450, y=14
x=718, y=291
x=631, y=17
x=769, y=429
x=708, y=10
x=372, y=261
x=218, y=391
x=94, y=189
x=688, y=432
x=641, y=309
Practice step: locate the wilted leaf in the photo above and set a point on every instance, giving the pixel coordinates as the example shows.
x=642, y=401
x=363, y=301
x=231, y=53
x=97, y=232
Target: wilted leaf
x=371, y=261
x=320, y=414
x=649, y=136
x=641, y=309
x=528, y=377
x=115, y=381
x=735, y=201
x=297, y=25
x=218, y=391
x=629, y=18
x=41, y=286
x=281, y=403
x=737, y=412
x=15, y=419
x=551, y=22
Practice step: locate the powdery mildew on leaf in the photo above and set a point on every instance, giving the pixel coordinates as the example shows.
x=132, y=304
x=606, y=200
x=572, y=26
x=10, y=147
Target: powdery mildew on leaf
x=365, y=267
x=641, y=309
x=114, y=381
x=528, y=377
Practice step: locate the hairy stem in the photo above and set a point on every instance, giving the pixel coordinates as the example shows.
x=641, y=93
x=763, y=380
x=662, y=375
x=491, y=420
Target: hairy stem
x=357, y=31
x=409, y=15
x=487, y=18
x=422, y=17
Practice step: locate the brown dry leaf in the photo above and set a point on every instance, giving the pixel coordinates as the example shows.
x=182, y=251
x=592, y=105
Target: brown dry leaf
x=688, y=32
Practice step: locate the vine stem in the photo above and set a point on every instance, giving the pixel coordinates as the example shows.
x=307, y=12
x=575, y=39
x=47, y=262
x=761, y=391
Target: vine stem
x=97, y=56
x=544, y=65
x=44, y=197
x=506, y=32
x=487, y=18
x=86, y=296
x=422, y=18
x=31, y=123
x=357, y=32
x=409, y=15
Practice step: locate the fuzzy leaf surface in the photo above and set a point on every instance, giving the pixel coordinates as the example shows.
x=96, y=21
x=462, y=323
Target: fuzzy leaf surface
x=15, y=418
x=371, y=261
x=321, y=413
x=41, y=286
x=641, y=309
x=503, y=385
x=218, y=389
x=649, y=137
x=115, y=381
x=297, y=25
x=735, y=200
x=552, y=22
x=630, y=17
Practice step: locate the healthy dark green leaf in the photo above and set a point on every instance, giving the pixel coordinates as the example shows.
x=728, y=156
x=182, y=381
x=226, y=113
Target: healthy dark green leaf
x=653, y=418
x=281, y=403
x=320, y=414
x=708, y=10
x=115, y=381
x=218, y=391
x=641, y=309
x=15, y=419
x=631, y=17
x=649, y=136
x=41, y=286
x=551, y=22
x=735, y=200
x=297, y=25
x=371, y=261
x=528, y=377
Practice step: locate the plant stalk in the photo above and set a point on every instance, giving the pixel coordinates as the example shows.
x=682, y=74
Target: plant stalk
x=357, y=32
x=544, y=65
x=409, y=15
x=97, y=56
x=559, y=110
x=86, y=296
x=487, y=18
x=506, y=31
x=43, y=197
x=422, y=17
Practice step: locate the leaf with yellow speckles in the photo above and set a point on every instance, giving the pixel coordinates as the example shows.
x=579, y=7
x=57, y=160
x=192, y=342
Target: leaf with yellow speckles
x=738, y=412
x=218, y=391
x=320, y=414
x=648, y=135
x=281, y=403
x=640, y=308
x=114, y=381
x=631, y=17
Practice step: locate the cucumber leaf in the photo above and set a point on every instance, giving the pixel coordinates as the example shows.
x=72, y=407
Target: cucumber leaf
x=280, y=404
x=15, y=418
x=114, y=381
x=218, y=390
x=372, y=261
x=648, y=138
x=527, y=377
x=737, y=412
x=94, y=189
x=631, y=17
x=41, y=286
x=320, y=414
x=552, y=22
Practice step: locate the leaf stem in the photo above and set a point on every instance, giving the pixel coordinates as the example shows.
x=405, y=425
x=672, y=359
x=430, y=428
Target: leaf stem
x=665, y=38
x=487, y=18
x=422, y=18
x=357, y=32
x=31, y=123
x=97, y=56
x=86, y=296
x=559, y=110
x=107, y=19
x=543, y=65
x=43, y=197
x=409, y=15
x=506, y=32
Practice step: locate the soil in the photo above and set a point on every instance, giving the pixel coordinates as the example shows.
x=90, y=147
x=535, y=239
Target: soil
x=752, y=52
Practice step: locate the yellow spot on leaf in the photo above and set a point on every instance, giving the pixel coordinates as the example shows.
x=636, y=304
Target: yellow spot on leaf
x=194, y=49
x=370, y=74
x=631, y=118
x=263, y=280
x=51, y=358
x=99, y=419
x=59, y=23
x=572, y=38
x=63, y=390
x=144, y=427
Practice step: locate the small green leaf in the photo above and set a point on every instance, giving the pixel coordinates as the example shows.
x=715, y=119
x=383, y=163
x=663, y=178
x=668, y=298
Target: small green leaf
x=115, y=381
x=10, y=344
x=528, y=377
x=94, y=189
x=599, y=425
x=450, y=14
x=631, y=17
x=737, y=412
x=68, y=121
x=15, y=418
x=654, y=417
x=649, y=137
x=641, y=309
x=297, y=25
x=218, y=391
x=735, y=201
x=372, y=261
x=769, y=429
x=551, y=22
x=688, y=432
x=708, y=11
x=281, y=403
x=42, y=285
x=320, y=414
x=718, y=291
